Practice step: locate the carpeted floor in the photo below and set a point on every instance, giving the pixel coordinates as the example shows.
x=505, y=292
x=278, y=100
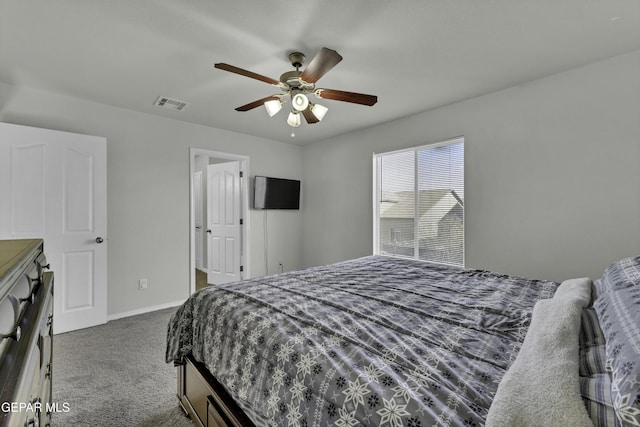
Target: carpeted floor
x=115, y=375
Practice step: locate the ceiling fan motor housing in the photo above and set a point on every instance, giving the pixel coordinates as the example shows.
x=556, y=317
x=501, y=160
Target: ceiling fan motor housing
x=297, y=59
x=291, y=78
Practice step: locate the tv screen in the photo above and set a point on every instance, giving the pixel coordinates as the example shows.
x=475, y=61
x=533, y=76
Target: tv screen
x=276, y=193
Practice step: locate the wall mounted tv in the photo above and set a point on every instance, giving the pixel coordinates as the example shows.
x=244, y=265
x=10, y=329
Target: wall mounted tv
x=276, y=193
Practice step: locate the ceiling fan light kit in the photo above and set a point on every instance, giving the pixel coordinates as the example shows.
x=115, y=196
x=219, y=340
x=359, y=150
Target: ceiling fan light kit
x=273, y=106
x=294, y=119
x=319, y=111
x=300, y=101
x=298, y=85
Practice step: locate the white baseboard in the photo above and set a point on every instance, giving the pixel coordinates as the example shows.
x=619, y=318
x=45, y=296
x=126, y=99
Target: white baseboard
x=144, y=310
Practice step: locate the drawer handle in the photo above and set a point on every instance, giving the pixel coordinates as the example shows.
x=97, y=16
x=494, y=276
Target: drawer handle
x=33, y=284
x=15, y=334
x=30, y=299
x=35, y=421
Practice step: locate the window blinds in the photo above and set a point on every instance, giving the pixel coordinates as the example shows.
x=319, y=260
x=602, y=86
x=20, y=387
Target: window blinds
x=420, y=203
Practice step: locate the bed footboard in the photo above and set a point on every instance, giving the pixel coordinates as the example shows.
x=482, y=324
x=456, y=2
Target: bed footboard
x=205, y=400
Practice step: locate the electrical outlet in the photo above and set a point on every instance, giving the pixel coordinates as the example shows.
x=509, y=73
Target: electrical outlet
x=142, y=284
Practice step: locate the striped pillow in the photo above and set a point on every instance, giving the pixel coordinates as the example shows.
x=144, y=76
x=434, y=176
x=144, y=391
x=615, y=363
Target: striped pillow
x=595, y=381
x=619, y=314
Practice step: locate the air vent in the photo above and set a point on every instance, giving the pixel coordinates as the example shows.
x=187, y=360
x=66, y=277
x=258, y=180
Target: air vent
x=172, y=104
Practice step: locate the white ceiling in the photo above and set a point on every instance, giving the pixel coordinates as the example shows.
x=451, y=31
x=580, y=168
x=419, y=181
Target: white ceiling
x=414, y=55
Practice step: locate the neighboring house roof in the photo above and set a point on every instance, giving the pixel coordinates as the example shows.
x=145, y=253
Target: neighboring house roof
x=433, y=207
x=432, y=204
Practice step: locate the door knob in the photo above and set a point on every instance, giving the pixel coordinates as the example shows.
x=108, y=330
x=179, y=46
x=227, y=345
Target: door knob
x=209, y=231
x=99, y=240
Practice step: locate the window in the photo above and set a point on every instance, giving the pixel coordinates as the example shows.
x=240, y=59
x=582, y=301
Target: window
x=419, y=203
x=396, y=234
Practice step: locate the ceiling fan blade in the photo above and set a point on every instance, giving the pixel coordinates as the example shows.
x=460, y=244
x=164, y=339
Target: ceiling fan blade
x=324, y=61
x=309, y=116
x=259, y=102
x=341, y=95
x=246, y=73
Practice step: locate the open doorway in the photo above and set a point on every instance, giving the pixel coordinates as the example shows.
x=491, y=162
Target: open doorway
x=217, y=253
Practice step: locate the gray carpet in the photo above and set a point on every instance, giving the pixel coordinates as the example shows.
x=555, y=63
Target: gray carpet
x=115, y=375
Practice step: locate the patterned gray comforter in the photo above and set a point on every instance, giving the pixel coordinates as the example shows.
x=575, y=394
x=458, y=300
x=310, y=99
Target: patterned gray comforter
x=375, y=341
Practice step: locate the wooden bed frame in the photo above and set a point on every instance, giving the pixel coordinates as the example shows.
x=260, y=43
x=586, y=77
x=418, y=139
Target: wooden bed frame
x=204, y=399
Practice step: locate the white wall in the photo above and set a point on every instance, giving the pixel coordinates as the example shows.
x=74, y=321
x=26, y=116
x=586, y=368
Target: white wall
x=148, y=190
x=552, y=175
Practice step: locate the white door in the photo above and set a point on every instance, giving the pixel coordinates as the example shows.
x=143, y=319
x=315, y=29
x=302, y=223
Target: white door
x=53, y=186
x=197, y=204
x=223, y=222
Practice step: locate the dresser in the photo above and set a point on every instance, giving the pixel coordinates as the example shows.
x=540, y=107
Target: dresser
x=26, y=334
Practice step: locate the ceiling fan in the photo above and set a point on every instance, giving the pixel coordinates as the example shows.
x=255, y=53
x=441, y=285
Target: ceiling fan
x=298, y=85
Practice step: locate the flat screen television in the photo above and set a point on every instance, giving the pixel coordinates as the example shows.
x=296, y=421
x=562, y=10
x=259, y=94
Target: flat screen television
x=276, y=193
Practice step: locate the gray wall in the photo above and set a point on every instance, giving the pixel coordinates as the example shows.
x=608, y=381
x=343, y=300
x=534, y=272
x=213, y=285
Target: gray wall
x=148, y=190
x=552, y=175
x=552, y=181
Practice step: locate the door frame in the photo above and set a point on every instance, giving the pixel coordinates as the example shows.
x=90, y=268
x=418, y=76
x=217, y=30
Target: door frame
x=197, y=178
x=244, y=210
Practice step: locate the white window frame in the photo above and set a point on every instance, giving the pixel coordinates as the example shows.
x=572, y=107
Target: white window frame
x=376, y=196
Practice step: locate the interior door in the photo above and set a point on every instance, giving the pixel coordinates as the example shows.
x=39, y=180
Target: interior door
x=53, y=186
x=197, y=203
x=223, y=222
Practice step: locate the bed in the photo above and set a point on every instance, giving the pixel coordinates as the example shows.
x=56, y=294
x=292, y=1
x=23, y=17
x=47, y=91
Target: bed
x=383, y=341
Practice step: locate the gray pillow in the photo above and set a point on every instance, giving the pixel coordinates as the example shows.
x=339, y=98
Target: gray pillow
x=619, y=314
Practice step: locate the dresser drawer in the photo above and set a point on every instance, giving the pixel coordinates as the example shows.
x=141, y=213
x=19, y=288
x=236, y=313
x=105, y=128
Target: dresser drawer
x=9, y=321
x=24, y=285
x=215, y=415
x=26, y=301
x=21, y=267
x=45, y=396
x=205, y=399
x=26, y=402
